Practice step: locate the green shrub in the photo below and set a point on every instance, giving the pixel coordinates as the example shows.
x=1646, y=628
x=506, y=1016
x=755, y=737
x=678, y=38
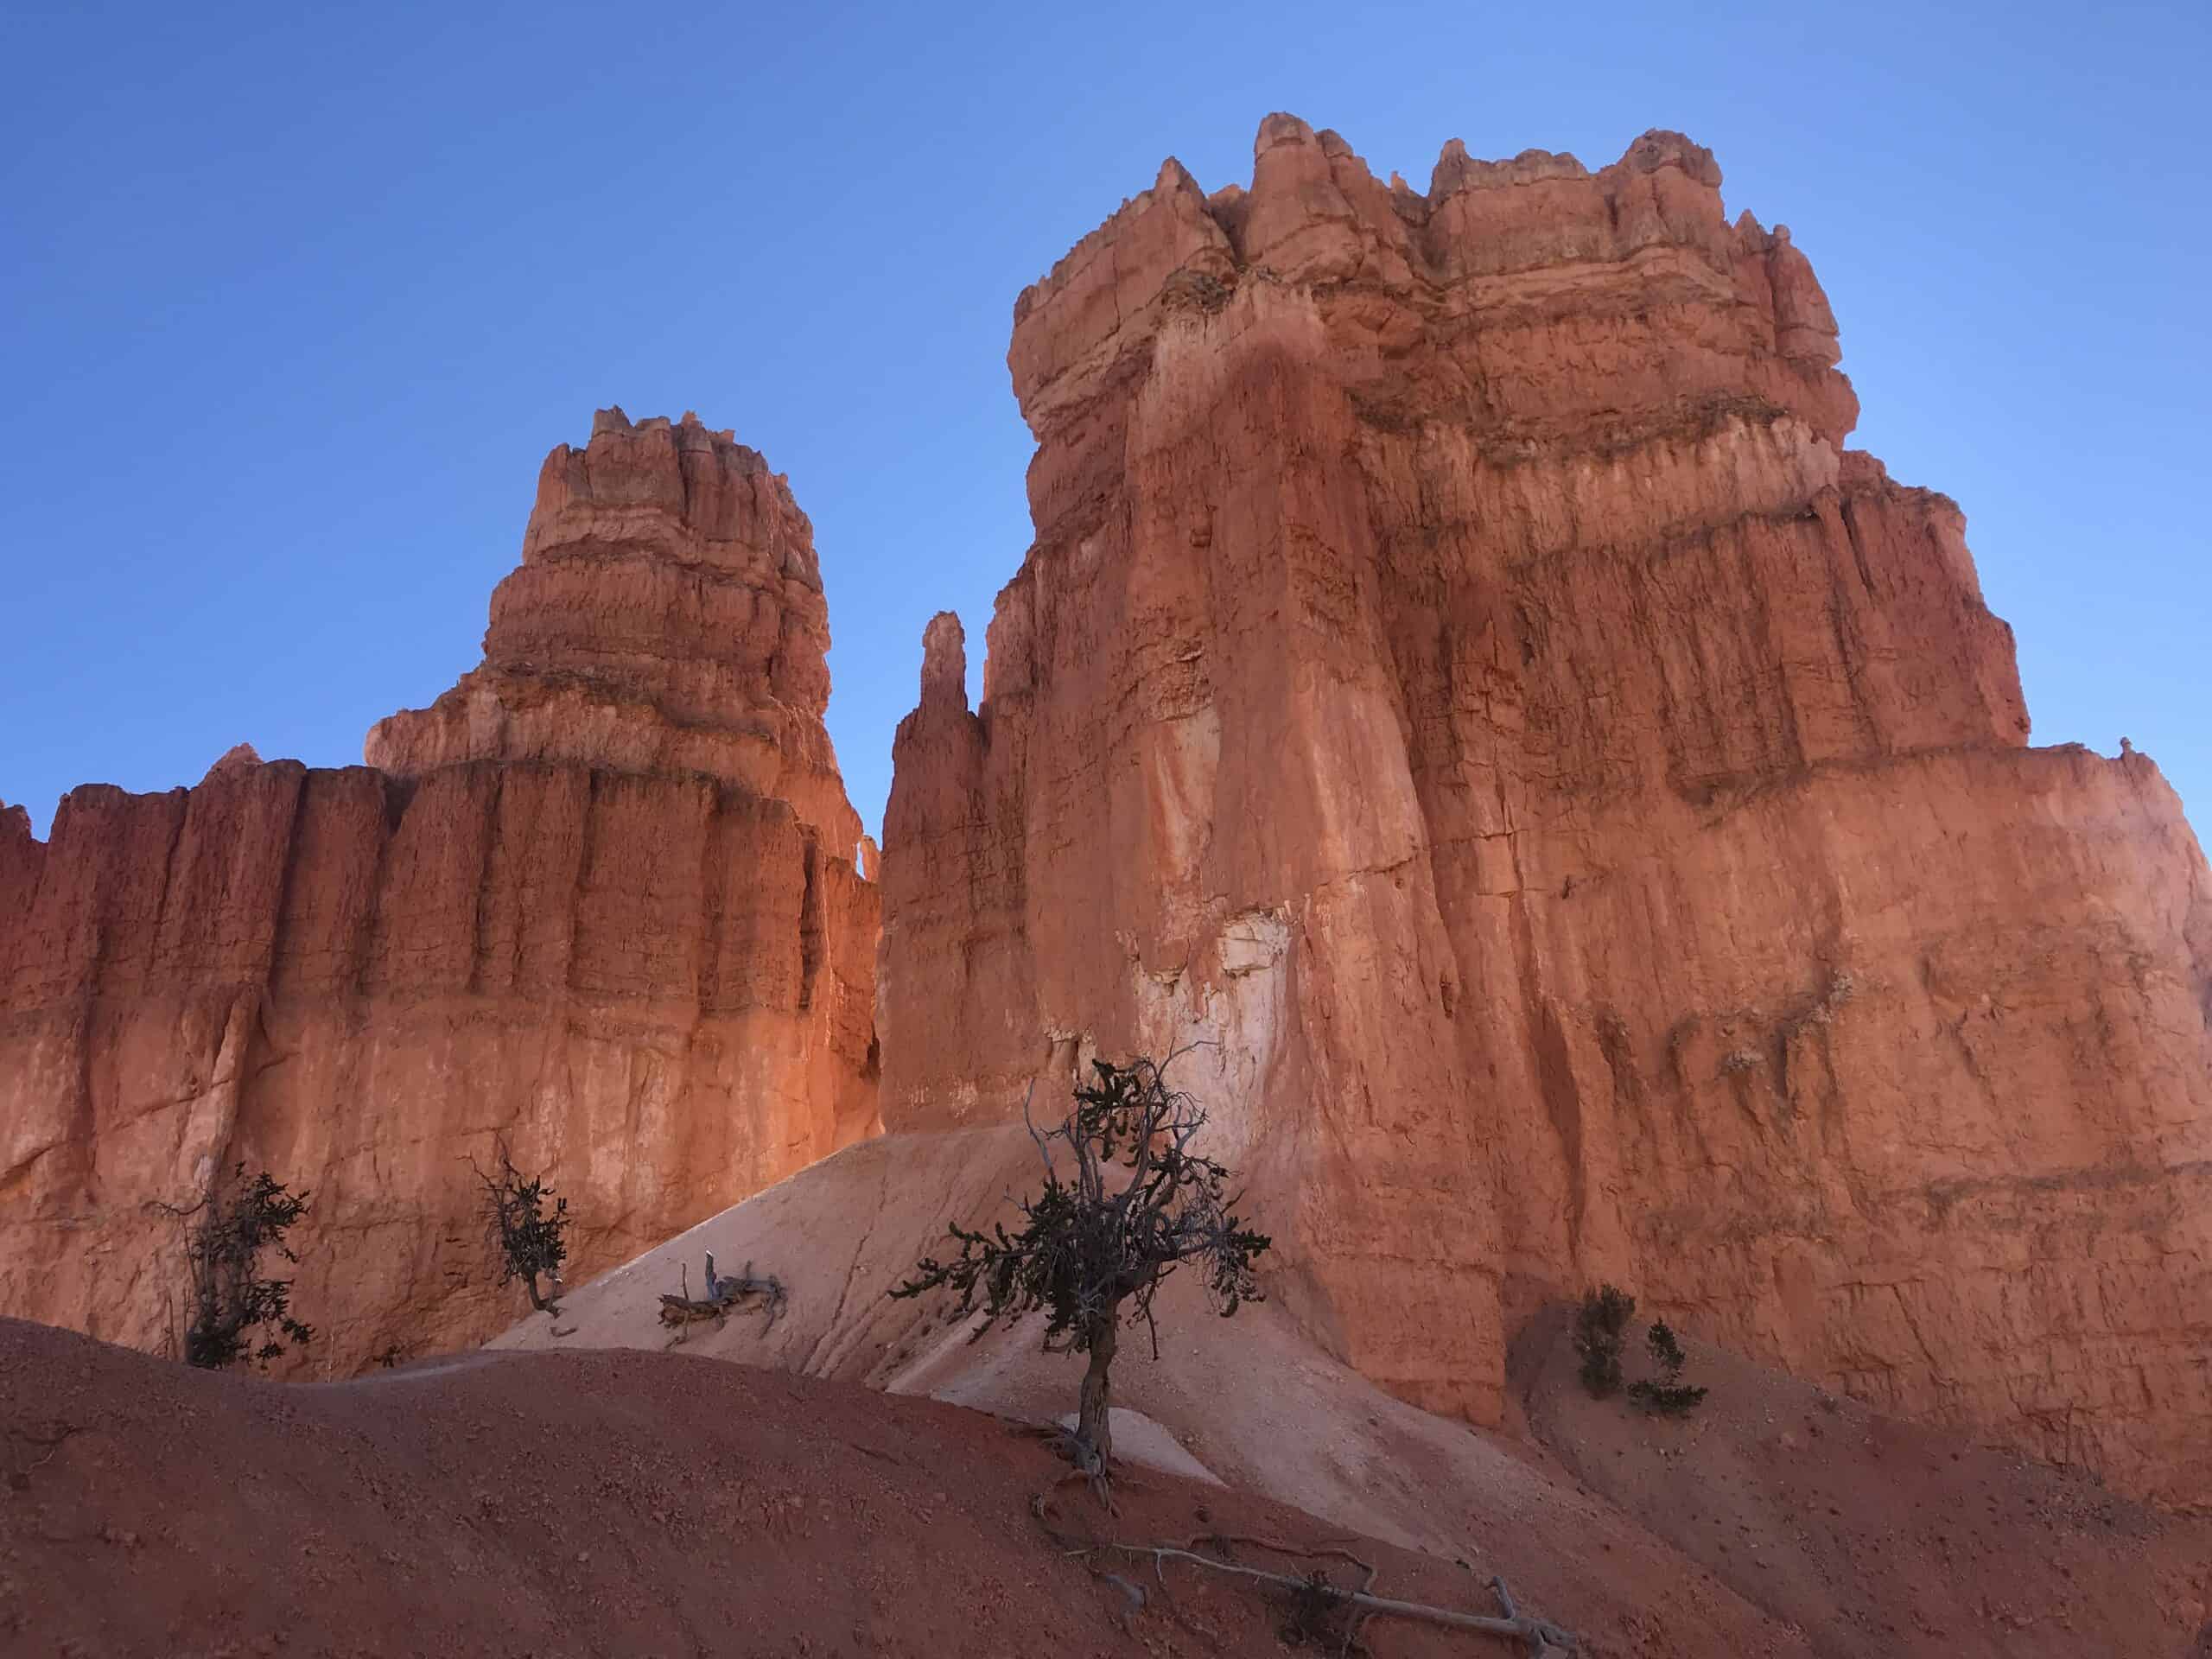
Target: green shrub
x=232, y=1305
x=527, y=1238
x=1604, y=1315
x=1095, y=1246
x=1668, y=1395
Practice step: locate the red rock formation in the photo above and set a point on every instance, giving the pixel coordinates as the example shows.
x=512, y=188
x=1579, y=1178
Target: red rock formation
x=1461, y=670
x=575, y=910
x=668, y=617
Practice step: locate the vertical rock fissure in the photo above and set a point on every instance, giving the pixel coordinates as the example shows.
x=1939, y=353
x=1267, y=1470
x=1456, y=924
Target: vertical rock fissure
x=811, y=930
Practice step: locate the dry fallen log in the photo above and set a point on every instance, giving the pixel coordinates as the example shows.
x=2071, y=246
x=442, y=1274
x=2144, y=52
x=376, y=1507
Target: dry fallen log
x=1539, y=1636
x=723, y=1295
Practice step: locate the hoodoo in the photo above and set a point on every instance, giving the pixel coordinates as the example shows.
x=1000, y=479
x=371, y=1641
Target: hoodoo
x=1462, y=672
x=668, y=617
x=599, y=899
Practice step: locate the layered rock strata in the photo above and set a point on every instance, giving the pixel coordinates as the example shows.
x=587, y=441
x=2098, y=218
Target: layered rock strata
x=600, y=901
x=1462, y=672
x=668, y=618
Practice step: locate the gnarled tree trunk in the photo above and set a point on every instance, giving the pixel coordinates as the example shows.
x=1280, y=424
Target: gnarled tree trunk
x=1094, y=1424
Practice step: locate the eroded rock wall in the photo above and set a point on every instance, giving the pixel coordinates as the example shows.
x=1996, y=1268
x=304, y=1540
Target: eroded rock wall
x=1462, y=672
x=550, y=916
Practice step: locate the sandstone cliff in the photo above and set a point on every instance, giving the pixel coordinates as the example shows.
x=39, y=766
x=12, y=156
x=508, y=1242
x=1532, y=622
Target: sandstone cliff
x=599, y=899
x=1462, y=672
x=668, y=618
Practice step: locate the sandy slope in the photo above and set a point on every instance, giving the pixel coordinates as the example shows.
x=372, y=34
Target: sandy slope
x=1873, y=1535
x=1251, y=1399
x=1854, y=1535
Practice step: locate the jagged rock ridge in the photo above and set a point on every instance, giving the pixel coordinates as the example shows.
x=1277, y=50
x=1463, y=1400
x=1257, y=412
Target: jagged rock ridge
x=1462, y=672
x=601, y=900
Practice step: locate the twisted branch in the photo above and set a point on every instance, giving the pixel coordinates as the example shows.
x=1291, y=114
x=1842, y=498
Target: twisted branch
x=724, y=1292
x=1540, y=1636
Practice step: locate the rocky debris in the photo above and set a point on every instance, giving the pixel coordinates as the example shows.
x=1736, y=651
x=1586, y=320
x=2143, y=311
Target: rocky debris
x=608, y=938
x=1462, y=672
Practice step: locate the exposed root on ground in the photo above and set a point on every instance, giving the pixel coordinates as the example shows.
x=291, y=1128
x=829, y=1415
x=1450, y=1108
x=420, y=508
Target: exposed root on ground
x=1311, y=1594
x=1070, y=1446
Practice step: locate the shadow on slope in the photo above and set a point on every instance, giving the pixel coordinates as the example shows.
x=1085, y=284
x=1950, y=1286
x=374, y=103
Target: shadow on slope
x=1607, y=1522
x=1880, y=1536
x=602, y=1503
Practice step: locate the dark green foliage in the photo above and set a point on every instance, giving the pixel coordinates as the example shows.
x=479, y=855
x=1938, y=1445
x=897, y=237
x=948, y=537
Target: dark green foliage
x=232, y=1308
x=1667, y=1395
x=1603, y=1316
x=1091, y=1255
x=1083, y=1251
x=1318, y=1616
x=529, y=1238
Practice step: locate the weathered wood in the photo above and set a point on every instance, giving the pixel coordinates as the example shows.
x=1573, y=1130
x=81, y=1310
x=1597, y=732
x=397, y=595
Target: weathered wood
x=725, y=1294
x=1540, y=1636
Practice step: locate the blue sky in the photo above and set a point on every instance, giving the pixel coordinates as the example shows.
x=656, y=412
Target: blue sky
x=294, y=301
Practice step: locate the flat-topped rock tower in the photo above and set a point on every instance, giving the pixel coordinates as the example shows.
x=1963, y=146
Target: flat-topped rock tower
x=1462, y=672
x=668, y=617
x=599, y=899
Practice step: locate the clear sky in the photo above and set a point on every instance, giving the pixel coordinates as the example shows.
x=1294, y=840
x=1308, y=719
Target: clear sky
x=294, y=300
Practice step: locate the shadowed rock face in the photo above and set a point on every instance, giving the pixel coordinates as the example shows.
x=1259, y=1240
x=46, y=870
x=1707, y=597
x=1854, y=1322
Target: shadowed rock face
x=599, y=898
x=1461, y=672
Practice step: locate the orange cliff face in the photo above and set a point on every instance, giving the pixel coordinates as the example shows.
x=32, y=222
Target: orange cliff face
x=668, y=617
x=599, y=899
x=1462, y=673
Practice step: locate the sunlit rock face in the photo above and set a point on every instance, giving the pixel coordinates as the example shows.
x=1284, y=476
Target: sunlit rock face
x=667, y=617
x=600, y=901
x=1462, y=675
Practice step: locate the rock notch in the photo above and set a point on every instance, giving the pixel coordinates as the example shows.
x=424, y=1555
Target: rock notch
x=1462, y=672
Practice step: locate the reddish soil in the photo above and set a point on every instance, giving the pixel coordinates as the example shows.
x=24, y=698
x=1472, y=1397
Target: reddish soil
x=1874, y=1536
x=606, y=1502
x=640, y=1503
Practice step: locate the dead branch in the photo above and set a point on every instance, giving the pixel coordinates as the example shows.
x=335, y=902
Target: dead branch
x=1044, y=1145
x=1223, y=1542
x=60, y=1436
x=724, y=1294
x=1541, y=1636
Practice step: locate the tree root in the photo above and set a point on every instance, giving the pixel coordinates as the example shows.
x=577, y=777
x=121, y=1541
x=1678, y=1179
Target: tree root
x=1541, y=1637
x=57, y=1437
x=1070, y=1446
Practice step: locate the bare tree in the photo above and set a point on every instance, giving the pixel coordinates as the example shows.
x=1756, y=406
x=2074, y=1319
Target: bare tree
x=1095, y=1247
x=528, y=1239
